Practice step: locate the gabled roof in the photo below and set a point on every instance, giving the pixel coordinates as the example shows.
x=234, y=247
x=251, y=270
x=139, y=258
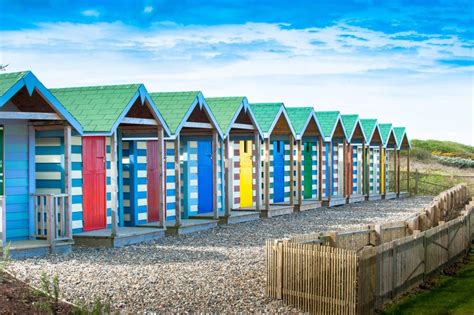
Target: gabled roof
x=227, y=109
x=350, y=123
x=11, y=83
x=176, y=107
x=328, y=121
x=400, y=133
x=369, y=126
x=385, y=131
x=100, y=109
x=300, y=118
x=267, y=115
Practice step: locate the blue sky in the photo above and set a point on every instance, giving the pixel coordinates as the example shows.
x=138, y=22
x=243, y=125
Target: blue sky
x=406, y=62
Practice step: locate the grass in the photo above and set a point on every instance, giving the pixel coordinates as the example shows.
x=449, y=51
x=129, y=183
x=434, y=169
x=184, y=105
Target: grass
x=442, y=148
x=451, y=295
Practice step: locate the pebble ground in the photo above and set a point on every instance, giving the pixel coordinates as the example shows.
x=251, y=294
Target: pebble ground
x=221, y=270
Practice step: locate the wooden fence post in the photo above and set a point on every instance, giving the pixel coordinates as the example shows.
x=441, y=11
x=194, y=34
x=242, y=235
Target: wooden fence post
x=279, y=280
x=51, y=222
x=417, y=179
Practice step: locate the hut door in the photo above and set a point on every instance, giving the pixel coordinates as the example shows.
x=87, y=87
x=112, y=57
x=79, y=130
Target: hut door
x=205, y=191
x=308, y=170
x=278, y=171
x=153, y=195
x=246, y=191
x=94, y=192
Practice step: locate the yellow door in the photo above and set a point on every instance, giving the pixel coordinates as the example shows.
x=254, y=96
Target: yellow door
x=246, y=174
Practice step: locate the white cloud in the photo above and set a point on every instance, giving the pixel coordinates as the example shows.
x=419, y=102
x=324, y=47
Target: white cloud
x=148, y=9
x=352, y=69
x=90, y=13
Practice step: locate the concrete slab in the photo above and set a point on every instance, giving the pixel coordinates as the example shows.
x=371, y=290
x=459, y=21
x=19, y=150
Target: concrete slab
x=125, y=236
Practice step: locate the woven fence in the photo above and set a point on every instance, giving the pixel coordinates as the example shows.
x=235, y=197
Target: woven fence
x=357, y=272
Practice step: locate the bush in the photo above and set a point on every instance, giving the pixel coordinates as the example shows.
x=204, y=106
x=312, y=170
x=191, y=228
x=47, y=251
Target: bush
x=445, y=148
x=455, y=161
x=420, y=154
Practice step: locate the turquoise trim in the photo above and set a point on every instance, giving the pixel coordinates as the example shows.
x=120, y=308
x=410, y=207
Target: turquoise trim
x=31, y=82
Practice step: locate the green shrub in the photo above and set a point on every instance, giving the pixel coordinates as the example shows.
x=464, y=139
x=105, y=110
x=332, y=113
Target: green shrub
x=420, y=154
x=455, y=161
x=445, y=148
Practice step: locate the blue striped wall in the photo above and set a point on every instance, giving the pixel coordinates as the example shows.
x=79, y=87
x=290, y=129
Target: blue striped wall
x=17, y=181
x=189, y=182
x=134, y=163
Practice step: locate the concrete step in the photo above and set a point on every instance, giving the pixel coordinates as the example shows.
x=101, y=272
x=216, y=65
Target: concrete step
x=335, y=201
x=126, y=236
x=308, y=205
x=190, y=226
x=238, y=216
x=390, y=195
x=276, y=210
x=356, y=198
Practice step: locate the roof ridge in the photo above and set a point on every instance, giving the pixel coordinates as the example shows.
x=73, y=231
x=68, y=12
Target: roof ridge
x=92, y=87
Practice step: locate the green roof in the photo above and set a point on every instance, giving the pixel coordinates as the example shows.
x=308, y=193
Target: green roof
x=368, y=125
x=265, y=114
x=174, y=106
x=224, y=109
x=385, y=132
x=298, y=117
x=7, y=80
x=97, y=108
x=327, y=121
x=399, y=132
x=349, y=122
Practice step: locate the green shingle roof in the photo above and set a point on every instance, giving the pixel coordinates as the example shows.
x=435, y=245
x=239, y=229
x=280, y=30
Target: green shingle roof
x=174, y=106
x=265, y=114
x=349, y=122
x=97, y=108
x=298, y=117
x=368, y=125
x=7, y=80
x=399, y=132
x=327, y=121
x=385, y=132
x=224, y=109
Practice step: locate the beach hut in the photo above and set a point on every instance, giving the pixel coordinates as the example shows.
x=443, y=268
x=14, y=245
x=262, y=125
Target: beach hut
x=35, y=173
x=278, y=170
x=102, y=202
x=242, y=138
x=194, y=162
x=388, y=162
x=333, y=157
x=373, y=143
x=403, y=144
x=308, y=148
x=354, y=169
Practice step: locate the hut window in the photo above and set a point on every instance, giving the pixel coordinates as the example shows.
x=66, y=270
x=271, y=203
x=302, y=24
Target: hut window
x=245, y=147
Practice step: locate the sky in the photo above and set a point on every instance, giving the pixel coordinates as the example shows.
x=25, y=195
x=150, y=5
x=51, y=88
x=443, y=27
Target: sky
x=410, y=63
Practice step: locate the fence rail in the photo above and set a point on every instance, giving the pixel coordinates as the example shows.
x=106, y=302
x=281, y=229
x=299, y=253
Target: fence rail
x=357, y=272
x=52, y=217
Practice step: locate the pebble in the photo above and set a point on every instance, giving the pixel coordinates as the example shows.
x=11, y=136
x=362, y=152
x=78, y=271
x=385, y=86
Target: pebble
x=217, y=271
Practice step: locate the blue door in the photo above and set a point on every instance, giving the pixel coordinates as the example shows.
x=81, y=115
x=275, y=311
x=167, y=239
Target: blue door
x=278, y=171
x=205, y=195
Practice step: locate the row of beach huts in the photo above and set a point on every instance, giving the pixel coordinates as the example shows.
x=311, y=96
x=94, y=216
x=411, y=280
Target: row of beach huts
x=116, y=165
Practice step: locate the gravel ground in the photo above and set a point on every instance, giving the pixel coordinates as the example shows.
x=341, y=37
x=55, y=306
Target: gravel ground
x=221, y=270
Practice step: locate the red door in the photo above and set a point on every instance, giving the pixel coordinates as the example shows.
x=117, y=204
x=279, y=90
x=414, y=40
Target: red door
x=349, y=175
x=94, y=180
x=153, y=195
